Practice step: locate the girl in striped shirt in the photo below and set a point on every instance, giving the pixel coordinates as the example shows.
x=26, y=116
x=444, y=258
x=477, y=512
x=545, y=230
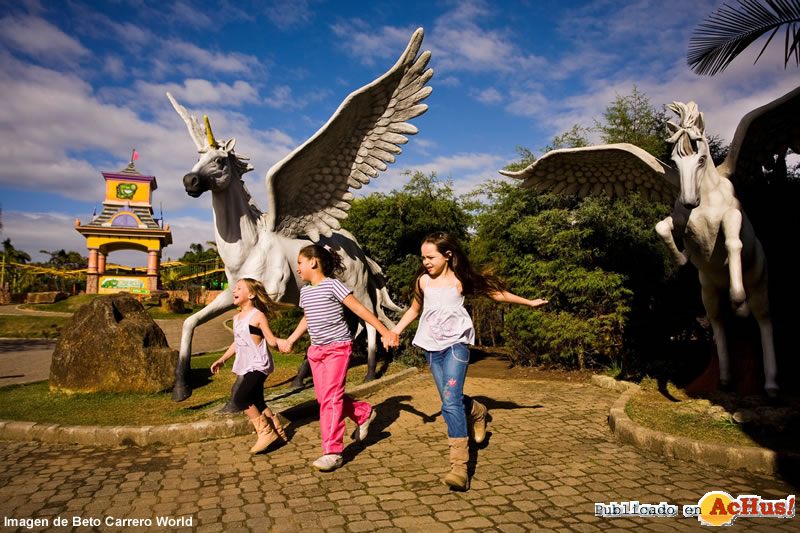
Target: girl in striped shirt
x=323, y=300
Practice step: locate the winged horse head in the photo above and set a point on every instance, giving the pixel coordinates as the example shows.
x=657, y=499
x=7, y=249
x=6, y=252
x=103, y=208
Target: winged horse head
x=690, y=152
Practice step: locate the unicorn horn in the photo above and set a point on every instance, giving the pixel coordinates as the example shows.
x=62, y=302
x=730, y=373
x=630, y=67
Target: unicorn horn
x=211, y=141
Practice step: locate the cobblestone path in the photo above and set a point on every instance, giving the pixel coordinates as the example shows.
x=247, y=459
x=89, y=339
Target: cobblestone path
x=549, y=457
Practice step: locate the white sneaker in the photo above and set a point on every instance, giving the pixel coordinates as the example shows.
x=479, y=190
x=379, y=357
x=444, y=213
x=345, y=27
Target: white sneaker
x=360, y=432
x=328, y=462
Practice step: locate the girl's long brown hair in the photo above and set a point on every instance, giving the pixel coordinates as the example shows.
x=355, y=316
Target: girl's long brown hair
x=261, y=299
x=472, y=282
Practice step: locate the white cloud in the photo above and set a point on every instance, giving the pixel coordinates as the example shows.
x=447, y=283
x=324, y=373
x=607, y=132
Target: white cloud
x=287, y=14
x=462, y=42
x=488, y=96
x=527, y=103
x=58, y=119
x=282, y=98
x=199, y=91
x=32, y=232
x=362, y=40
x=467, y=170
x=448, y=81
x=230, y=63
x=38, y=38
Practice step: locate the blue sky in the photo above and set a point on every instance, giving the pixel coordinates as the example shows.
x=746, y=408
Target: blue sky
x=84, y=82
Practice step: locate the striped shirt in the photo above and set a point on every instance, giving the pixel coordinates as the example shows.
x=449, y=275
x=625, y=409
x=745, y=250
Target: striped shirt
x=325, y=312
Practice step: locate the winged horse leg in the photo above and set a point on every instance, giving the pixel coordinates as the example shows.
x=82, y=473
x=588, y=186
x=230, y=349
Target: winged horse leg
x=711, y=301
x=372, y=347
x=220, y=304
x=666, y=230
x=732, y=228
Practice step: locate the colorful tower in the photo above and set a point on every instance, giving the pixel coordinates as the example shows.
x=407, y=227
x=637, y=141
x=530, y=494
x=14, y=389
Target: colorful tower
x=126, y=223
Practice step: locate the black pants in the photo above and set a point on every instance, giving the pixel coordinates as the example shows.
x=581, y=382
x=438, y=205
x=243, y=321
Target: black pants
x=251, y=392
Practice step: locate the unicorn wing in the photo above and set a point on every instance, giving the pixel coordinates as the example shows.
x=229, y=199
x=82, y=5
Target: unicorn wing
x=762, y=134
x=308, y=191
x=613, y=168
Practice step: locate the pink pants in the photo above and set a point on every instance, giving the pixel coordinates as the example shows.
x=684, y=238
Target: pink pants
x=329, y=369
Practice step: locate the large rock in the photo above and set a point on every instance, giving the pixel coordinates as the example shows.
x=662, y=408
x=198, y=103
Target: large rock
x=112, y=344
x=49, y=297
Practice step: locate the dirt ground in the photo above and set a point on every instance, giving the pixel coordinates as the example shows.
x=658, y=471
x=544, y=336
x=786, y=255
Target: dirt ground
x=487, y=362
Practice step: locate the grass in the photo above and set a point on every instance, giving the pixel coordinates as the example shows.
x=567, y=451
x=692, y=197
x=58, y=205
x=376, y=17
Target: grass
x=157, y=313
x=31, y=327
x=674, y=412
x=69, y=305
x=36, y=403
x=37, y=326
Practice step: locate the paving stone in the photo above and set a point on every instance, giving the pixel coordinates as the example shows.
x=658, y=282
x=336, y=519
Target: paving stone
x=541, y=469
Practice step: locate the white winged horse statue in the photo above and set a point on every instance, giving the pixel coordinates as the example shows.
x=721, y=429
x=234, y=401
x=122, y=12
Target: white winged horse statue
x=717, y=236
x=307, y=194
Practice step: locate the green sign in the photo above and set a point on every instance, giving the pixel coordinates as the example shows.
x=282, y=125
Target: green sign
x=126, y=190
x=140, y=291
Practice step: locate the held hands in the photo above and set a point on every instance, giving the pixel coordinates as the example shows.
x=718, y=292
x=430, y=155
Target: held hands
x=284, y=345
x=392, y=340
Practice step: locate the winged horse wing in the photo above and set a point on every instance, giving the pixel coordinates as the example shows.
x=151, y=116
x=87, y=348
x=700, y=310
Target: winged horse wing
x=308, y=191
x=614, y=168
x=762, y=134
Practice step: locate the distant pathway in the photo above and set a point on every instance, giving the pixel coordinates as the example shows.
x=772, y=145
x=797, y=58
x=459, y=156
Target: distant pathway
x=27, y=360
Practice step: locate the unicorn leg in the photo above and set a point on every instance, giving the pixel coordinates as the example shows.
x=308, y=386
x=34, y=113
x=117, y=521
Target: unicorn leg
x=221, y=304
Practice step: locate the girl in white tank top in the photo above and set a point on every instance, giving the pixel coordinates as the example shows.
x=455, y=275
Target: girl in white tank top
x=445, y=331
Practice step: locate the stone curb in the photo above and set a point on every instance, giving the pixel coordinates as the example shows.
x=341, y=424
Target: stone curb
x=37, y=312
x=756, y=460
x=225, y=426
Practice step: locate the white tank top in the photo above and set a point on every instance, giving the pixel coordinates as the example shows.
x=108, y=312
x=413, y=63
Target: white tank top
x=444, y=320
x=249, y=356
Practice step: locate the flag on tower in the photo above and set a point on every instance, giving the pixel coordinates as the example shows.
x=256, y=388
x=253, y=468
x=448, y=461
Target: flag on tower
x=134, y=156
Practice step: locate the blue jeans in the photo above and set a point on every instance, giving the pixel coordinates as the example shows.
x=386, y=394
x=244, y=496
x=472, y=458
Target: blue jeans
x=449, y=369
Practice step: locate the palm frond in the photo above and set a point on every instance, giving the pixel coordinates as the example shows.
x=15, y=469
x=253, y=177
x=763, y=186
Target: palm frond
x=728, y=31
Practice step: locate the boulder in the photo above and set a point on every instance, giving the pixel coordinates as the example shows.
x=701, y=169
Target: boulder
x=49, y=297
x=173, y=305
x=112, y=344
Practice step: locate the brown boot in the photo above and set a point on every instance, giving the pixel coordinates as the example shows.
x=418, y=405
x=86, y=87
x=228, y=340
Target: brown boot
x=478, y=420
x=458, y=479
x=266, y=435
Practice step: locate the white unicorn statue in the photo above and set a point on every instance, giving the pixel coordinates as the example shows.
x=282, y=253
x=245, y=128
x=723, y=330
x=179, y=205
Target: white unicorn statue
x=307, y=194
x=717, y=236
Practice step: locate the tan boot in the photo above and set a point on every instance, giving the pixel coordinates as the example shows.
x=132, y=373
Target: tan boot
x=459, y=455
x=266, y=435
x=279, y=425
x=478, y=420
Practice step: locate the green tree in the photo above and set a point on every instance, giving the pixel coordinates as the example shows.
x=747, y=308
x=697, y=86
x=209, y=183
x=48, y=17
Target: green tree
x=12, y=255
x=631, y=119
x=18, y=279
x=574, y=138
x=63, y=260
x=390, y=227
x=727, y=32
x=198, y=254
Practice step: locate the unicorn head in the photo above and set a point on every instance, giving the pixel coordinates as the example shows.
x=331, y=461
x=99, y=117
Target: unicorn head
x=218, y=166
